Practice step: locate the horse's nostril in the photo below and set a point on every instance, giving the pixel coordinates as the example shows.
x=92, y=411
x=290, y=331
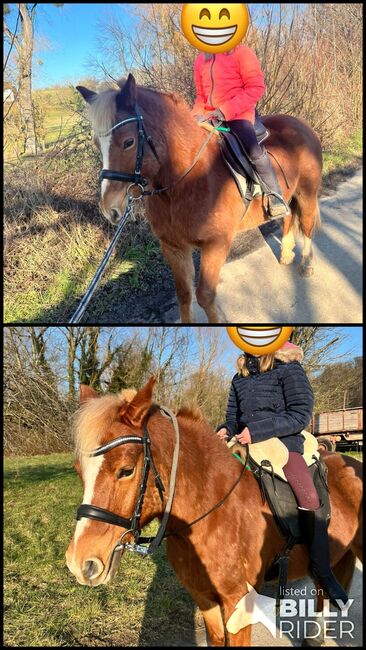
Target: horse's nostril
x=91, y=569
x=114, y=216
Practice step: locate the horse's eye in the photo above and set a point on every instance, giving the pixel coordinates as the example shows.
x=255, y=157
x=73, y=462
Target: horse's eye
x=128, y=143
x=126, y=471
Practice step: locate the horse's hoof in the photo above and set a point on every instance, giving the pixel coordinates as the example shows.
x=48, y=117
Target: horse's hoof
x=287, y=258
x=306, y=271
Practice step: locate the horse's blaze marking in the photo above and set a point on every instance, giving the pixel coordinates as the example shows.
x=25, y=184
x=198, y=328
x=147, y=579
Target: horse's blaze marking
x=90, y=468
x=259, y=336
x=105, y=144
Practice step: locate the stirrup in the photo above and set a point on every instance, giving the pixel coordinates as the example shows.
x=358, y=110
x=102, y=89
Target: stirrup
x=286, y=212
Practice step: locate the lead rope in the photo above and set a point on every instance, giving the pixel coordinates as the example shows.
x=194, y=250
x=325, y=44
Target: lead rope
x=79, y=312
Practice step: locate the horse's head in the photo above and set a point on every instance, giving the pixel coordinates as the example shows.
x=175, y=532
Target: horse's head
x=110, y=481
x=119, y=146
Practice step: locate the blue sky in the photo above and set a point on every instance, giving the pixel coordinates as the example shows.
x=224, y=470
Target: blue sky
x=66, y=39
x=350, y=346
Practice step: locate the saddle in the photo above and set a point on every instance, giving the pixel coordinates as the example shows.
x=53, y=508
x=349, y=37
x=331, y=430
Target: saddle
x=237, y=160
x=277, y=452
x=266, y=461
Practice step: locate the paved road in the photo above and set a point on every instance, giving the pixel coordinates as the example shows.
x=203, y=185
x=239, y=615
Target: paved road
x=262, y=637
x=254, y=287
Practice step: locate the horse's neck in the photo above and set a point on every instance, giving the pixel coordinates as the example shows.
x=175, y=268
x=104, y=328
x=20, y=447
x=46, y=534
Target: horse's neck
x=183, y=139
x=206, y=469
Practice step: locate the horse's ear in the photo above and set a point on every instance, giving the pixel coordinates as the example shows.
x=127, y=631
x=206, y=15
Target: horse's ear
x=126, y=98
x=88, y=95
x=135, y=410
x=86, y=392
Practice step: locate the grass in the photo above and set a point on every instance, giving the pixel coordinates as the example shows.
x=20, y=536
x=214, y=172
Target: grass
x=55, y=238
x=355, y=454
x=57, y=120
x=45, y=606
x=342, y=161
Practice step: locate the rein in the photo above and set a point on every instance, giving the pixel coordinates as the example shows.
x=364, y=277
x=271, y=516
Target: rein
x=132, y=524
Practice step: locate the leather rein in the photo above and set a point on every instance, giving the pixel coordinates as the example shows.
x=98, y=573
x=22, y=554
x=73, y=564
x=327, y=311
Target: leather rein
x=132, y=524
x=136, y=179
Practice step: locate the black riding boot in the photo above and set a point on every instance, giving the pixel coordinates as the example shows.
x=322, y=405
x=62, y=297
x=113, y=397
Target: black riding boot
x=277, y=205
x=315, y=534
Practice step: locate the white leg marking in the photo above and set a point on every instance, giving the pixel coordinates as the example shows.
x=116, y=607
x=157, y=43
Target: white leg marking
x=287, y=247
x=105, y=144
x=308, y=246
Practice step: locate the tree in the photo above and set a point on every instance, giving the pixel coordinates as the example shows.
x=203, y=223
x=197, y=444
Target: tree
x=23, y=41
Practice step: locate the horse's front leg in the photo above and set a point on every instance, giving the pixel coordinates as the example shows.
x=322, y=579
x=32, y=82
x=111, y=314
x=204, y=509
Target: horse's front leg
x=181, y=262
x=213, y=256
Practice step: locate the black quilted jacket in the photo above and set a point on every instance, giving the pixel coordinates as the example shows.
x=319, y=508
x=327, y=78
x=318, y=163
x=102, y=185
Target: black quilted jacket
x=277, y=403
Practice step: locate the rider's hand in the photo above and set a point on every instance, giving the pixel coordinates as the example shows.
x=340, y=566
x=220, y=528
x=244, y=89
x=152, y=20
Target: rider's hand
x=244, y=437
x=216, y=114
x=200, y=118
x=222, y=433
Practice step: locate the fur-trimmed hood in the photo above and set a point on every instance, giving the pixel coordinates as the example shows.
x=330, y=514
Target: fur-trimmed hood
x=289, y=352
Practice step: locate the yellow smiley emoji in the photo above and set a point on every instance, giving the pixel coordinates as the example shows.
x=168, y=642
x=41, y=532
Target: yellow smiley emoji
x=214, y=27
x=259, y=340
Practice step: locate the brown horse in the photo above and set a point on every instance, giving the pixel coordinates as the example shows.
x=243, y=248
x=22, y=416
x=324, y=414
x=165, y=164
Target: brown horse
x=216, y=557
x=202, y=210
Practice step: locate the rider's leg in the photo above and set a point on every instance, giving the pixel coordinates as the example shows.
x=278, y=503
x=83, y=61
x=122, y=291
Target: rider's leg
x=313, y=526
x=244, y=129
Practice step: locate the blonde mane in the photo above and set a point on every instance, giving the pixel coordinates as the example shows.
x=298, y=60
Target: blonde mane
x=94, y=418
x=102, y=111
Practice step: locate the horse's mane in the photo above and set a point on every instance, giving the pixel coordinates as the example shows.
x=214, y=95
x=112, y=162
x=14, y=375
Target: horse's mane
x=193, y=412
x=102, y=110
x=95, y=416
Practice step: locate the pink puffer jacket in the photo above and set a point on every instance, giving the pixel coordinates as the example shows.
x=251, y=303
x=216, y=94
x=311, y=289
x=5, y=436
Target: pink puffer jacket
x=232, y=82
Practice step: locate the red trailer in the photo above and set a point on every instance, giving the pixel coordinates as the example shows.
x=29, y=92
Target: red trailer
x=341, y=429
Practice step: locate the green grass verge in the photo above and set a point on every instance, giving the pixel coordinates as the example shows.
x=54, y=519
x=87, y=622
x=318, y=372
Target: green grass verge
x=342, y=160
x=355, y=454
x=45, y=606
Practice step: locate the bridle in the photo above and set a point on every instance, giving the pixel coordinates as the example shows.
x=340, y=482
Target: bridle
x=132, y=524
x=136, y=179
